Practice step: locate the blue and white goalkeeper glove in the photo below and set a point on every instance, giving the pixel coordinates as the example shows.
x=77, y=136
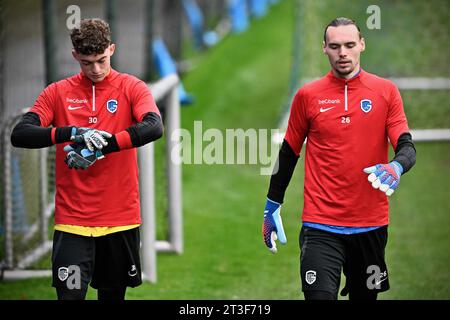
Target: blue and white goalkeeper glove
x=272, y=228
x=80, y=157
x=92, y=138
x=385, y=177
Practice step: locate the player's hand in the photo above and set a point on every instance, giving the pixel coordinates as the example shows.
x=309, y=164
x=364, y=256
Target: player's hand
x=94, y=139
x=272, y=227
x=80, y=157
x=385, y=177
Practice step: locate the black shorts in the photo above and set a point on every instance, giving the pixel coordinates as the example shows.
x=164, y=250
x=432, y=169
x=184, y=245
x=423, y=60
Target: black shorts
x=109, y=261
x=360, y=256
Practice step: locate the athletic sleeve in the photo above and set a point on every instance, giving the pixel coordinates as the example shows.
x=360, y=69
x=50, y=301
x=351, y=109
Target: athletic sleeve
x=32, y=131
x=396, y=123
x=148, y=130
x=298, y=124
x=28, y=133
x=142, y=104
x=282, y=174
x=405, y=152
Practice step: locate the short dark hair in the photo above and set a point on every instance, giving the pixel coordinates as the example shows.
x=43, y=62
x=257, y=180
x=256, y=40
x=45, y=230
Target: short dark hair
x=341, y=21
x=93, y=36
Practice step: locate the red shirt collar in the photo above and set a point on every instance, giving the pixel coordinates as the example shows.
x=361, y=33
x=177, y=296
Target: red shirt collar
x=107, y=80
x=358, y=76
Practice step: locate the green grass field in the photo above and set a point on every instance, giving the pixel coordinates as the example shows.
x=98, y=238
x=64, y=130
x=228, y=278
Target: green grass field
x=242, y=83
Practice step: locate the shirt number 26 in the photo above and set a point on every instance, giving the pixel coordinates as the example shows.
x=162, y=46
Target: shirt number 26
x=345, y=119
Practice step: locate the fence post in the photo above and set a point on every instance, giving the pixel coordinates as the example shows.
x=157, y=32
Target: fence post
x=7, y=196
x=49, y=17
x=2, y=63
x=164, y=87
x=43, y=181
x=149, y=70
x=147, y=198
x=172, y=26
x=111, y=17
x=174, y=171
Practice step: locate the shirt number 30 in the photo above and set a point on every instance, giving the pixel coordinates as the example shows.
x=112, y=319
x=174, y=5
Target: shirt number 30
x=345, y=119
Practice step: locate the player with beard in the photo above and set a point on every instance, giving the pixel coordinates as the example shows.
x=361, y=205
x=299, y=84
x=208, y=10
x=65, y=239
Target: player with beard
x=349, y=118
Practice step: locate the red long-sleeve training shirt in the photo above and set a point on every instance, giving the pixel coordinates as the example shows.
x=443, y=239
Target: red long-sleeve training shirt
x=347, y=124
x=107, y=194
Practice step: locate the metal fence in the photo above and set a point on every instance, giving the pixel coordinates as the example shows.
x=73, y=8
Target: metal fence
x=28, y=180
x=28, y=186
x=164, y=89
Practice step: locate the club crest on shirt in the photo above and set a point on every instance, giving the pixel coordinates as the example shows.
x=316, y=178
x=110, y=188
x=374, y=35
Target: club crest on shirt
x=310, y=276
x=366, y=105
x=63, y=273
x=111, y=105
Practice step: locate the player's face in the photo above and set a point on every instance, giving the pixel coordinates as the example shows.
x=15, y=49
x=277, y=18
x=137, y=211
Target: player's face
x=95, y=66
x=343, y=48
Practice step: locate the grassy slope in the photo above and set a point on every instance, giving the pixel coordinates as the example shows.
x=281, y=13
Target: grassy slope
x=412, y=40
x=418, y=251
x=222, y=203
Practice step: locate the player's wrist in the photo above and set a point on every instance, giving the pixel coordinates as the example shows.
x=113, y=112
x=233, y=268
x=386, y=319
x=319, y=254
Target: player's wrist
x=123, y=139
x=63, y=134
x=397, y=167
x=272, y=202
x=271, y=206
x=112, y=146
x=275, y=194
